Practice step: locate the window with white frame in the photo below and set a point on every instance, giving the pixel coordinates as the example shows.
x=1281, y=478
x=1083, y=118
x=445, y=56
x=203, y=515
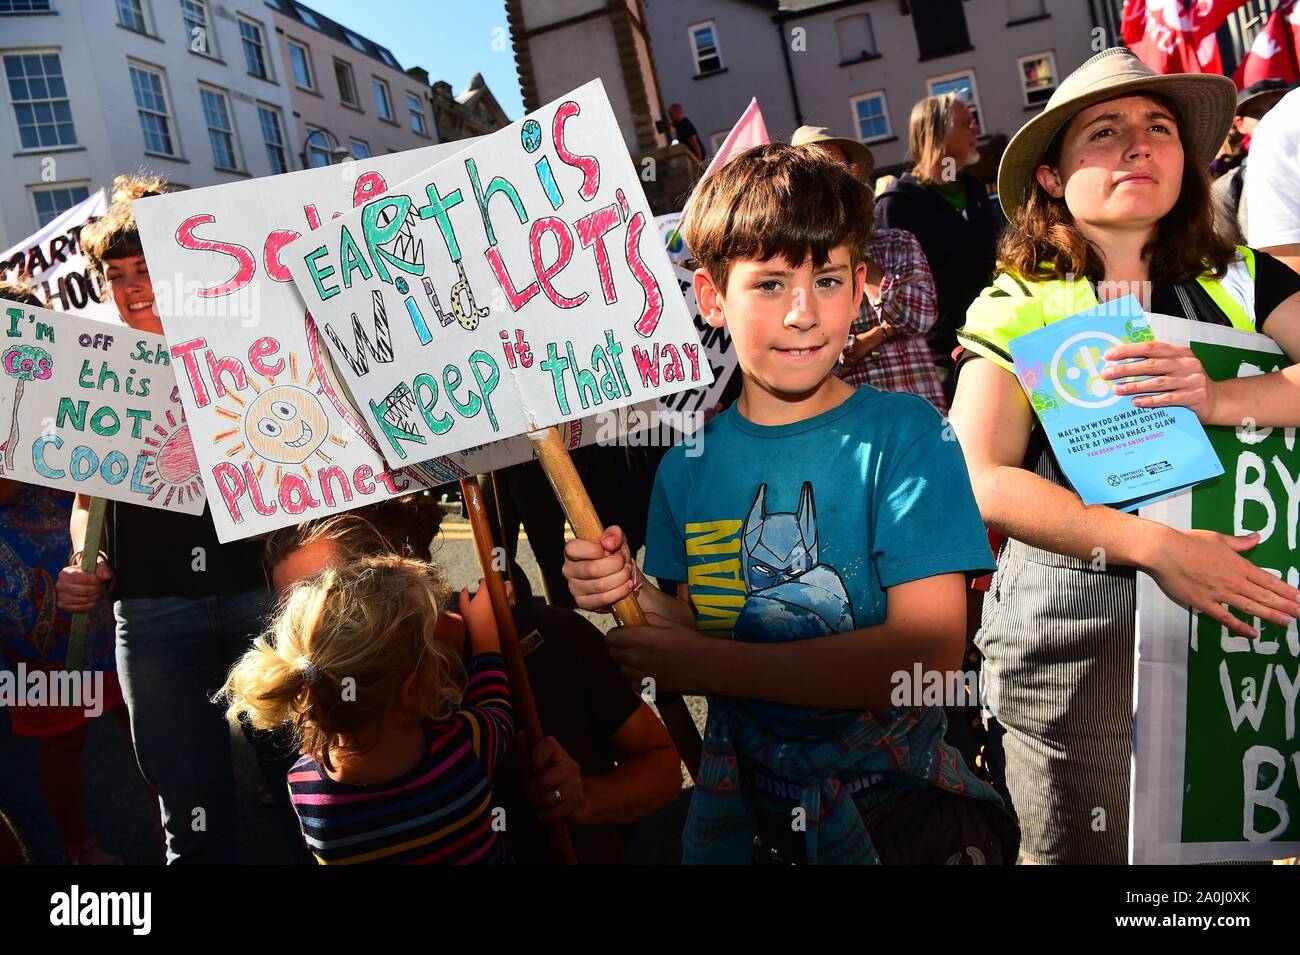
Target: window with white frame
x=383, y=101
x=221, y=131
x=273, y=138
x=356, y=41
x=52, y=202
x=130, y=14
x=347, y=85
x=871, y=116
x=24, y=6
x=300, y=60
x=250, y=35
x=1038, y=77
x=308, y=18
x=963, y=84
x=856, y=37
x=318, y=152
x=40, y=100
x=198, y=32
x=416, y=108
x=704, y=46
x=360, y=149
x=155, y=115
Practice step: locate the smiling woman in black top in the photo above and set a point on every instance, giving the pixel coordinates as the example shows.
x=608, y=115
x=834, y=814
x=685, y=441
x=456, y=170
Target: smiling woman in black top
x=186, y=605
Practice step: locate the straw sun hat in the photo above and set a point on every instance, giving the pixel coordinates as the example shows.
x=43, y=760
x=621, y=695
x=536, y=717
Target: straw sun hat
x=854, y=150
x=1206, y=101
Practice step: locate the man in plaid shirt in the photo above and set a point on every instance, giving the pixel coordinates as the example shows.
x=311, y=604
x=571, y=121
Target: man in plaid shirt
x=887, y=348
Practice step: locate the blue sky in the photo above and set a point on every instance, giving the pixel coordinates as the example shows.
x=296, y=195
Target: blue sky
x=452, y=39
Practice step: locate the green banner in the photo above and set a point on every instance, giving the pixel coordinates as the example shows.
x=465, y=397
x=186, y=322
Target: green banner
x=1242, y=761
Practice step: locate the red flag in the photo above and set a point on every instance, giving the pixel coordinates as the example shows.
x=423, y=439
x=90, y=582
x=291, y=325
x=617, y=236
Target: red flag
x=1273, y=54
x=1176, y=36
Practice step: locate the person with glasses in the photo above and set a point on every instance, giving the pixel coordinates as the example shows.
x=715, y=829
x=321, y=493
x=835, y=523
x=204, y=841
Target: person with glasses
x=949, y=212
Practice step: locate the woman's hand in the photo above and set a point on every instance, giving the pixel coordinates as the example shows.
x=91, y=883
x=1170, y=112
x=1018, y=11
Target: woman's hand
x=1176, y=377
x=1205, y=570
x=77, y=591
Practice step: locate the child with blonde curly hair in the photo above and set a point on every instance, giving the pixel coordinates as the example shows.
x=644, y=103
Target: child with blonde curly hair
x=400, y=740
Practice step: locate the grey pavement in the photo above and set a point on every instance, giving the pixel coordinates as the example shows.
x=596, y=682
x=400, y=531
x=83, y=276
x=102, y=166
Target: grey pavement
x=118, y=810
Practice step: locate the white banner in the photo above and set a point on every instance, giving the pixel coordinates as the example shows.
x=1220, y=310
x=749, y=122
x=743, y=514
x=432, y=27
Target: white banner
x=52, y=264
x=503, y=290
x=721, y=357
x=93, y=408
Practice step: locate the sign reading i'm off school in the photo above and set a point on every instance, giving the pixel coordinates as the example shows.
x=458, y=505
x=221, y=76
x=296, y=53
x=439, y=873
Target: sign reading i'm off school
x=516, y=285
x=93, y=408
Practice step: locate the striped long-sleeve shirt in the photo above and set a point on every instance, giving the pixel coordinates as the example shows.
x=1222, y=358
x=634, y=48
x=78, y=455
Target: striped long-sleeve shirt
x=439, y=812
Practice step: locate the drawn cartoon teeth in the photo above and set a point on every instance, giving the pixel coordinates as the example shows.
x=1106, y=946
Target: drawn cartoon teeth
x=303, y=438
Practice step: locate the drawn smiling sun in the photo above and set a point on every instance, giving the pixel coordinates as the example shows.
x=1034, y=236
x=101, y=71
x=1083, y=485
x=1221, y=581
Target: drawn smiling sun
x=281, y=423
x=285, y=424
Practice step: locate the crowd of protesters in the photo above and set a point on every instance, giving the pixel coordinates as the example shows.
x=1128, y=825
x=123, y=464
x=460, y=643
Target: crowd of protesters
x=379, y=705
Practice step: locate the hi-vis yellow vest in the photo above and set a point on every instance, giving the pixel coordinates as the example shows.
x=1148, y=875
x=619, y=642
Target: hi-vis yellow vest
x=1013, y=306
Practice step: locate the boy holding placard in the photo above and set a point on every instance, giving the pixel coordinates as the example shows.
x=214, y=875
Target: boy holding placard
x=829, y=532
x=187, y=606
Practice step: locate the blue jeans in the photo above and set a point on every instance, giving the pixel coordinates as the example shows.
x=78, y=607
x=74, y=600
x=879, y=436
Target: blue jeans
x=173, y=653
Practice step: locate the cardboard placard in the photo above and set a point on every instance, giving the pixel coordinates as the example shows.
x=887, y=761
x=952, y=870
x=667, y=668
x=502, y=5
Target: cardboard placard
x=1216, y=761
x=517, y=285
x=93, y=408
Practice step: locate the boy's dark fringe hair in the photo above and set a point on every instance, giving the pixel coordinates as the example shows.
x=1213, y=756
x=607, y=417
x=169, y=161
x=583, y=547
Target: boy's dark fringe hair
x=778, y=200
x=114, y=234
x=1044, y=242
x=19, y=293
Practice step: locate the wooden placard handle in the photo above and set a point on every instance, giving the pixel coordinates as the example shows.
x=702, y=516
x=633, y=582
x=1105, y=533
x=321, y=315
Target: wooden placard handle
x=572, y=494
x=521, y=688
x=90, y=548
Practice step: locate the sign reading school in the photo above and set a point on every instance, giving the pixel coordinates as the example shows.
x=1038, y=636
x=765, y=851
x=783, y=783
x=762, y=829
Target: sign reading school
x=1216, y=771
x=514, y=286
x=93, y=408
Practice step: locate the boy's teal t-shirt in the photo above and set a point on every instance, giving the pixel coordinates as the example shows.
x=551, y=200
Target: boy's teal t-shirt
x=795, y=531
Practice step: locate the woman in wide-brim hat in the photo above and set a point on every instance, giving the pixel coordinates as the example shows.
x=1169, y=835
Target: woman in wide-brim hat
x=1107, y=193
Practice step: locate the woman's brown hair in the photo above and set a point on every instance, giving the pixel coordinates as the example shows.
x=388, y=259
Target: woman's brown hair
x=1044, y=242
x=114, y=235
x=931, y=121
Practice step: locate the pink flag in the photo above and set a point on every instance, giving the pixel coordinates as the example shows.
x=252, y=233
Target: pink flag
x=749, y=131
